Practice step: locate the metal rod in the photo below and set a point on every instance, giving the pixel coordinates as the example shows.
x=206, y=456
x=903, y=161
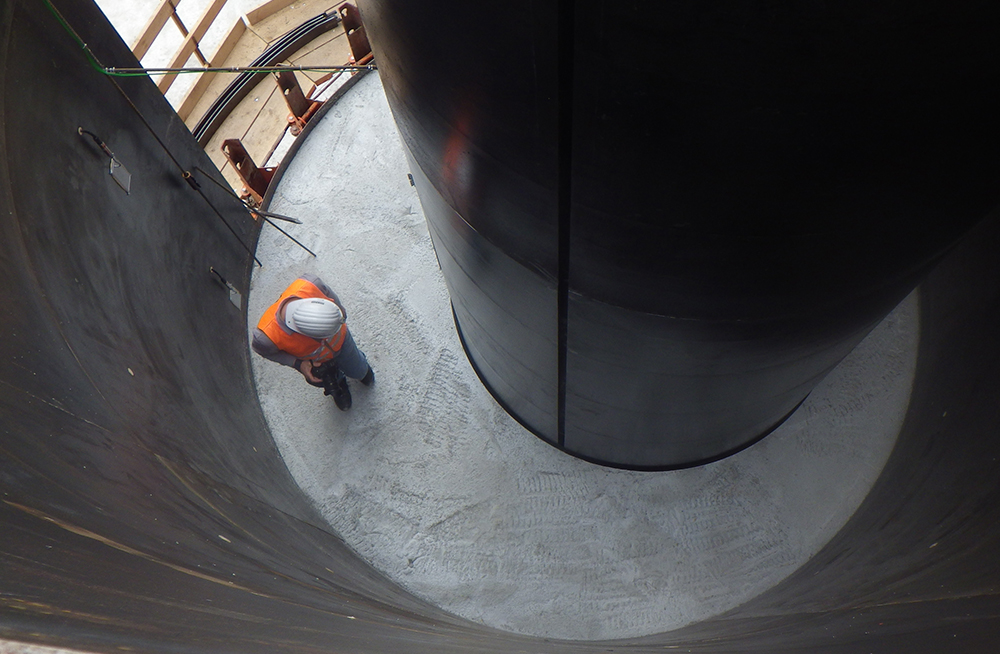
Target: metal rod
x=243, y=202
x=276, y=215
x=234, y=69
x=263, y=214
x=233, y=231
x=295, y=240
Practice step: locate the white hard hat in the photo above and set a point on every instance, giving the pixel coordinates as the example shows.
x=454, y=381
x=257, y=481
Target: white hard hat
x=313, y=317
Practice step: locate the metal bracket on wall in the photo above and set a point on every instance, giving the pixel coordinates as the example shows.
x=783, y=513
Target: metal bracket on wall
x=361, y=50
x=301, y=107
x=255, y=179
x=119, y=173
x=234, y=295
x=240, y=87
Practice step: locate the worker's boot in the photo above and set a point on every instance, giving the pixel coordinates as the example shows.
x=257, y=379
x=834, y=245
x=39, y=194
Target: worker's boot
x=369, y=377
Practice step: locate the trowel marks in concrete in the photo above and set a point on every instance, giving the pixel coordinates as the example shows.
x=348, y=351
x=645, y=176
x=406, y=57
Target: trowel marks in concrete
x=428, y=479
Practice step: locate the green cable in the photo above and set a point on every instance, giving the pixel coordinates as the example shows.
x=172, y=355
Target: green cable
x=90, y=55
x=142, y=72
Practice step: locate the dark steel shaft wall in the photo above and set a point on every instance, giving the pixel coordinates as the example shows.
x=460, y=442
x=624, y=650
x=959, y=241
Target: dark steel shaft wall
x=724, y=198
x=149, y=510
x=481, y=131
x=143, y=504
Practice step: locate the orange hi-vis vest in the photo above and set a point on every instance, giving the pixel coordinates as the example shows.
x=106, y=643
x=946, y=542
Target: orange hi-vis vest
x=298, y=345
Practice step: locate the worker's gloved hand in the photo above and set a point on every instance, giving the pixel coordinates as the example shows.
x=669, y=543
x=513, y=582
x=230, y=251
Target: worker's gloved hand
x=306, y=369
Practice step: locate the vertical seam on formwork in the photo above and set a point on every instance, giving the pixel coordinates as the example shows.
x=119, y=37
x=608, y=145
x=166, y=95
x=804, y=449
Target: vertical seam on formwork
x=566, y=30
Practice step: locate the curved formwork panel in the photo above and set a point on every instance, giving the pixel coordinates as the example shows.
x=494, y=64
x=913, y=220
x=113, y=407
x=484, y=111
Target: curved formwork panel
x=662, y=225
x=142, y=501
x=143, y=505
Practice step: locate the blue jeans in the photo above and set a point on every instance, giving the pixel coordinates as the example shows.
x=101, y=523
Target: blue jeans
x=351, y=360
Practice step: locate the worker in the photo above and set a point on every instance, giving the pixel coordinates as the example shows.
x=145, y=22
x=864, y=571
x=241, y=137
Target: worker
x=306, y=329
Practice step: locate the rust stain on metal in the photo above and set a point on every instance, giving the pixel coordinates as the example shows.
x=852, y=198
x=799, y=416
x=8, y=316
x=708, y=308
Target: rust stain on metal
x=361, y=50
x=301, y=107
x=254, y=178
x=41, y=608
x=86, y=533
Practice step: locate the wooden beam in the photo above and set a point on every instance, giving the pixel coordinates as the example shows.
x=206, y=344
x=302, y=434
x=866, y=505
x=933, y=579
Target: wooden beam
x=190, y=43
x=218, y=60
x=207, y=18
x=267, y=9
x=156, y=22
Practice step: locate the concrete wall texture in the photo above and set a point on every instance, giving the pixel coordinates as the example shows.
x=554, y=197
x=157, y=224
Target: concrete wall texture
x=142, y=501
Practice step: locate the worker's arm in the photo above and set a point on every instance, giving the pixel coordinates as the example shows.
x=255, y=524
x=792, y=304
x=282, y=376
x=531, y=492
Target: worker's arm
x=265, y=347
